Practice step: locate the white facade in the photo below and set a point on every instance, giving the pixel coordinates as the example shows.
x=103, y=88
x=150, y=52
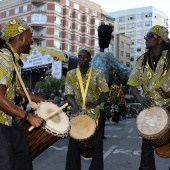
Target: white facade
x=135, y=23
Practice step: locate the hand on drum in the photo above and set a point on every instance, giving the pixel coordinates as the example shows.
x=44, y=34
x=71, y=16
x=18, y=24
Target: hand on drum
x=146, y=102
x=34, y=120
x=75, y=109
x=91, y=104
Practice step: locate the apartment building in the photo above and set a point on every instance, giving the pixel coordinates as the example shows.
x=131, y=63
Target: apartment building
x=135, y=23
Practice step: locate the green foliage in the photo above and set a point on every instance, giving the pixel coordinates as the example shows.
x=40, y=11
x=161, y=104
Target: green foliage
x=51, y=84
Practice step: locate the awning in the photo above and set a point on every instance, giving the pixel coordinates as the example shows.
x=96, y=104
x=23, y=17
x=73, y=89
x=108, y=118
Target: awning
x=41, y=56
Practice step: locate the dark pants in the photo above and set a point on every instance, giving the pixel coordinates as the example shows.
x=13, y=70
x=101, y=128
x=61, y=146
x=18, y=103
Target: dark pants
x=103, y=115
x=14, y=153
x=73, y=161
x=116, y=117
x=147, y=156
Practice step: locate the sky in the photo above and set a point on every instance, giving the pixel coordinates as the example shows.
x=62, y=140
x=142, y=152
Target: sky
x=117, y=5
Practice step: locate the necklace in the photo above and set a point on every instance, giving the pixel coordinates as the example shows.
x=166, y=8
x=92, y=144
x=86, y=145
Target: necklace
x=154, y=60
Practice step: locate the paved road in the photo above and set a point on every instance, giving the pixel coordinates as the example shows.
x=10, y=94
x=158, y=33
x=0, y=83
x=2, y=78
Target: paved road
x=121, y=150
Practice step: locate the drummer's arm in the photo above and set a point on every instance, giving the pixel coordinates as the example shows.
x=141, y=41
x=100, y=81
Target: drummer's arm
x=145, y=101
x=34, y=98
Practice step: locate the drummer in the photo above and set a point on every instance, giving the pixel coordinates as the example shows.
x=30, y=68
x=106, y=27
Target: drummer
x=152, y=73
x=14, y=153
x=96, y=94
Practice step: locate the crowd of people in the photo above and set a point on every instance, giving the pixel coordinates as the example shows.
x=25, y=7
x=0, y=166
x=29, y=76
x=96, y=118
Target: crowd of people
x=86, y=91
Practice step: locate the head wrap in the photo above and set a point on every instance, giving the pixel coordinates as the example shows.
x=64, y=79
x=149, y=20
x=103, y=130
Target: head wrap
x=83, y=47
x=14, y=27
x=160, y=31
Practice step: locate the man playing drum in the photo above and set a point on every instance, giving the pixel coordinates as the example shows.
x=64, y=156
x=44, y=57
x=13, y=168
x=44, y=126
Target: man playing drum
x=91, y=104
x=14, y=153
x=152, y=73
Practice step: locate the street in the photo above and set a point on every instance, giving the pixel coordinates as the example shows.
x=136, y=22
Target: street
x=121, y=150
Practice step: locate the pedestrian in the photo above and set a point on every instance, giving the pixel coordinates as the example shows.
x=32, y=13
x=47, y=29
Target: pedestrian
x=16, y=38
x=153, y=74
x=116, y=95
x=92, y=104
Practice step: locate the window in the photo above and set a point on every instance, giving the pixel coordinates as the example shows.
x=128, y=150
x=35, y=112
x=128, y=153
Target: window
x=148, y=23
x=130, y=17
x=38, y=19
x=130, y=34
x=139, y=24
x=57, y=44
x=68, y=2
x=94, y=13
x=139, y=41
x=24, y=18
x=96, y=32
x=132, y=42
x=96, y=43
x=96, y=22
x=16, y=11
x=24, y=8
x=128, y=55
x=70, y=13
x=7, y=13
x=69, y=47
x=78, y=38
x=121, y=53
x=57, y=33
x=121, y=19
x=76, y=6
x=132, y=50
x=148, y=15
x=88, y=41
x=69, y=25
x=79, y=28
x=58, y=21
x=87, y=10
x=69, y=36
x=127, y=64
x=40, y=43
x=138, y=49
x=132, y=58
x=88, y=30
x=79, y=17
x=132, y=25
x=88, y=19
x=122, y=44
x=121, y=27
x=58, y=9
x=139, y=33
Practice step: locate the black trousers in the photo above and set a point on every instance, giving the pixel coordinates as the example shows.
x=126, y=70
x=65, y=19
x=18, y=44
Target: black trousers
x=73, y=161
x=147, y=156
x=14, y=153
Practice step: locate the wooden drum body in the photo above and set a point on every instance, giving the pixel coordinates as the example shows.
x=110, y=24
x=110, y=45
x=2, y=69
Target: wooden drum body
x=55, y=127
x=153, y=124
x=83, y=132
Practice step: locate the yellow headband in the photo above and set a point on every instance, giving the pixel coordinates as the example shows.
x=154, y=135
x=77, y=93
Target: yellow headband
x=14, y=27
x=85, y=48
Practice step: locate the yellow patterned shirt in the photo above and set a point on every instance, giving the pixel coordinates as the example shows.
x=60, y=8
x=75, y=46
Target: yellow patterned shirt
x=151, y=80
x=6, y=76
x=97, y=85
x=116, y=92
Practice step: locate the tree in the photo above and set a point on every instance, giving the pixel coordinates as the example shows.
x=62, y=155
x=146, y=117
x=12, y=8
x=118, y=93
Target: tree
x=51, y=84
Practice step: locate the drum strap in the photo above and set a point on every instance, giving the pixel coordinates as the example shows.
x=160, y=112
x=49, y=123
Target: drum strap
x=83, y=92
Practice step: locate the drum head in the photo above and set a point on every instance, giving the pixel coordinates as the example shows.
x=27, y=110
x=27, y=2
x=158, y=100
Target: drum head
x=82, y=127
x=151, y=121
x=57, y=124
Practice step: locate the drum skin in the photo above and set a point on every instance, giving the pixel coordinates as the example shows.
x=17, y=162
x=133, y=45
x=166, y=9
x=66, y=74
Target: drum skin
x=38, y=140
x=83, y=133
x=153, y=124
